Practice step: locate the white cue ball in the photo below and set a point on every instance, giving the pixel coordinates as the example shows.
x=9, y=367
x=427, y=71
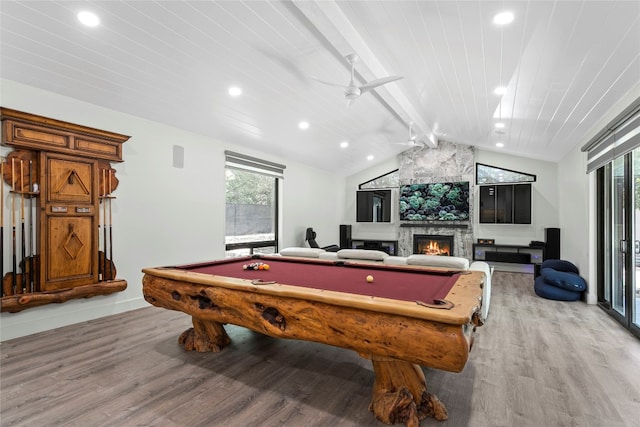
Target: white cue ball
x=369, y=279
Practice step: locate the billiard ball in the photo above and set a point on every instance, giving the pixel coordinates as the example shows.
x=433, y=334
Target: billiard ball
x=369, y=278
x=256, y=266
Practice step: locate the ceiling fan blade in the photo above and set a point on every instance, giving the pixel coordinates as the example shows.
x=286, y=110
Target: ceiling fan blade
x=327, y=83
x=379, y=82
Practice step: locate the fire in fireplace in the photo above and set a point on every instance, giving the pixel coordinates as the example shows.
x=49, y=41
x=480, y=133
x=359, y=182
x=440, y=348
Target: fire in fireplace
x=428, y=244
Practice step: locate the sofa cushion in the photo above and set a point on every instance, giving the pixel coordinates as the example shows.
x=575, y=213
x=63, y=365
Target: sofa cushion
x=364, y=254
x=564, y=280
x=302, y=252
x=331, y=256
x=439, y=261
x=486, y=288
x=395, y=260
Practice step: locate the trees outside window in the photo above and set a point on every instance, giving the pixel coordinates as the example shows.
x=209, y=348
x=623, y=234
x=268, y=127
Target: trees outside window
x=251, y=212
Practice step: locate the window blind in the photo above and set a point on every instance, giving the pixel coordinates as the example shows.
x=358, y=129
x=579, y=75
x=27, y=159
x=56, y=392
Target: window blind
x=243, y=162
x=621, y=136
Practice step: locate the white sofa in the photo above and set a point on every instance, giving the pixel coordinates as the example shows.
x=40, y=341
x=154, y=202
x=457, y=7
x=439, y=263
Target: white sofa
x=367, y=255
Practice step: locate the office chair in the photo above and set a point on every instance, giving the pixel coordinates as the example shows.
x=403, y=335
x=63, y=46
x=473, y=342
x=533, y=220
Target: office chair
x=311, y=238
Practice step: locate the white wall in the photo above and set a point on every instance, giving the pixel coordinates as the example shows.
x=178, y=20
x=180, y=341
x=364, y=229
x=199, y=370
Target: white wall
x=312, y=199
x=368, y=230
x=163, y=215
x=577, y=234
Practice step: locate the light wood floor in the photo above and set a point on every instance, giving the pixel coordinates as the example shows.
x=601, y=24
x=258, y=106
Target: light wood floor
x=535, y=363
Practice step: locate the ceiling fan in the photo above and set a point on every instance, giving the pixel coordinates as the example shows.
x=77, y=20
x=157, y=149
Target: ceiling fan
x=353, y=91
x=413, y=140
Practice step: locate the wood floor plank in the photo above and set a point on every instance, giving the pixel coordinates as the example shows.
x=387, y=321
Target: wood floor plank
x=535, y=363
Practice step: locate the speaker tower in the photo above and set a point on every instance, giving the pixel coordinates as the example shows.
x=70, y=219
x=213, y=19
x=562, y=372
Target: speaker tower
x=345, y=236
x=552, y=243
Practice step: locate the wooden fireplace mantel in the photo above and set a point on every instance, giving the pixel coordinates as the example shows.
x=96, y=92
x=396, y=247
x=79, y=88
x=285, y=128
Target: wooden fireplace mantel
x=443, y=224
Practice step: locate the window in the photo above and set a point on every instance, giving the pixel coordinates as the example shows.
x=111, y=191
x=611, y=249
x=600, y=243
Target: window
x=251, y=197
x=486, y=174
x=388, y=180
x=505, y=204
x=508, y=200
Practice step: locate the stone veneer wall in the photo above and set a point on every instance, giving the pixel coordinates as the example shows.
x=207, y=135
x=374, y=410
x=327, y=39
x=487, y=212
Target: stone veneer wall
x=447, y=163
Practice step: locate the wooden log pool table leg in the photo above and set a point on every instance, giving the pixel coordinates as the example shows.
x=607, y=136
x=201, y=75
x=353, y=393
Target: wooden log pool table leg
x=206, y=335
x=400, y=394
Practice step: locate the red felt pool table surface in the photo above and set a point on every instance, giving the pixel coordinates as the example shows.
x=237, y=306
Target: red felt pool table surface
x=395, y=282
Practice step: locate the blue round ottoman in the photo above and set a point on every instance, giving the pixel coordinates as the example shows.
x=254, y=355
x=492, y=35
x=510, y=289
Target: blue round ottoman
x=563, y=279
x=560, y=265
x=545, y=290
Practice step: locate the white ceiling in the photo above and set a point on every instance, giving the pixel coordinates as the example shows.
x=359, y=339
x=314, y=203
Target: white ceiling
x=565, y=64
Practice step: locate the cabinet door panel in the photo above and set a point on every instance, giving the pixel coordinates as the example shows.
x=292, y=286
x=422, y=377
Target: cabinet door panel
x=70, y=246
x=69, y=181
x=69, y=222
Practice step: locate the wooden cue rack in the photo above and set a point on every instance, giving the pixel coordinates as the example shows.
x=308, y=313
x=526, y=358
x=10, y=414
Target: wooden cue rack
x=57, y=232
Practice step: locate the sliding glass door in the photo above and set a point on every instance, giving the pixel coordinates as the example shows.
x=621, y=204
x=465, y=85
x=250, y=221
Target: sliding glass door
x=619, y=239
x=634, y=284
x=619, y=242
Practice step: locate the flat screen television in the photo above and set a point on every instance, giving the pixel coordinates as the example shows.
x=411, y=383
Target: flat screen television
x=439, y=201
x=373, y=206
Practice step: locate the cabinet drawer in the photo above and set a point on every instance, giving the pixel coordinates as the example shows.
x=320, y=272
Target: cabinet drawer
x=98, y=148
x=36, y=137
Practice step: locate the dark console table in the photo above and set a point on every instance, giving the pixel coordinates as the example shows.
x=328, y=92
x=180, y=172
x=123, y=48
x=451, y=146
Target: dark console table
x=388, y=246
x=516, y=254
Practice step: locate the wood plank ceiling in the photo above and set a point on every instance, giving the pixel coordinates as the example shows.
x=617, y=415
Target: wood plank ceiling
x=565, y=65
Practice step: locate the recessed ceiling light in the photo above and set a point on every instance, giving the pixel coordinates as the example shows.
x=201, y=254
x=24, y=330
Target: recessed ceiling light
x=503, y=18
x=499, y=144
x=500, y=90
x=499, y=125
x=235, y=91
x=370, y=157
x=303, y=125
x=344, y=144
x=89, y=19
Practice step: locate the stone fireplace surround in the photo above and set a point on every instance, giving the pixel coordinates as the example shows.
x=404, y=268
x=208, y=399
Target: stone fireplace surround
x=447, y=163
x=462, y=237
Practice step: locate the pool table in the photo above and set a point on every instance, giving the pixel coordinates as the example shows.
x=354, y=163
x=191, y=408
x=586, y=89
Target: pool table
x=401, y=317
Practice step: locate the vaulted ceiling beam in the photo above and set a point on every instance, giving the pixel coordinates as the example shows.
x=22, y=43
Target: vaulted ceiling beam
x=329, y=19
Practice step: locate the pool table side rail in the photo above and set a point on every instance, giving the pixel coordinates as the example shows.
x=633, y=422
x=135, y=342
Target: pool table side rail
x=466, y=295
x=372, y=334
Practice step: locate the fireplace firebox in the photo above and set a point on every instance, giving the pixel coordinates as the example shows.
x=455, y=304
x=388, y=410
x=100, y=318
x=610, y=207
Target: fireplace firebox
x=429, y=244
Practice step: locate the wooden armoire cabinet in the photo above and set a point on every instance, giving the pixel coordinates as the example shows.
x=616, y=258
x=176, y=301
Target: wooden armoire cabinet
x=61, y=246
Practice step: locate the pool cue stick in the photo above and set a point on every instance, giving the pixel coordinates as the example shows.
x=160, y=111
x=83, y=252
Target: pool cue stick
x=22, y=235
x=104, y=225
x=32, y=263
x=14, y=279
x=2, y=225
x=111, y=265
